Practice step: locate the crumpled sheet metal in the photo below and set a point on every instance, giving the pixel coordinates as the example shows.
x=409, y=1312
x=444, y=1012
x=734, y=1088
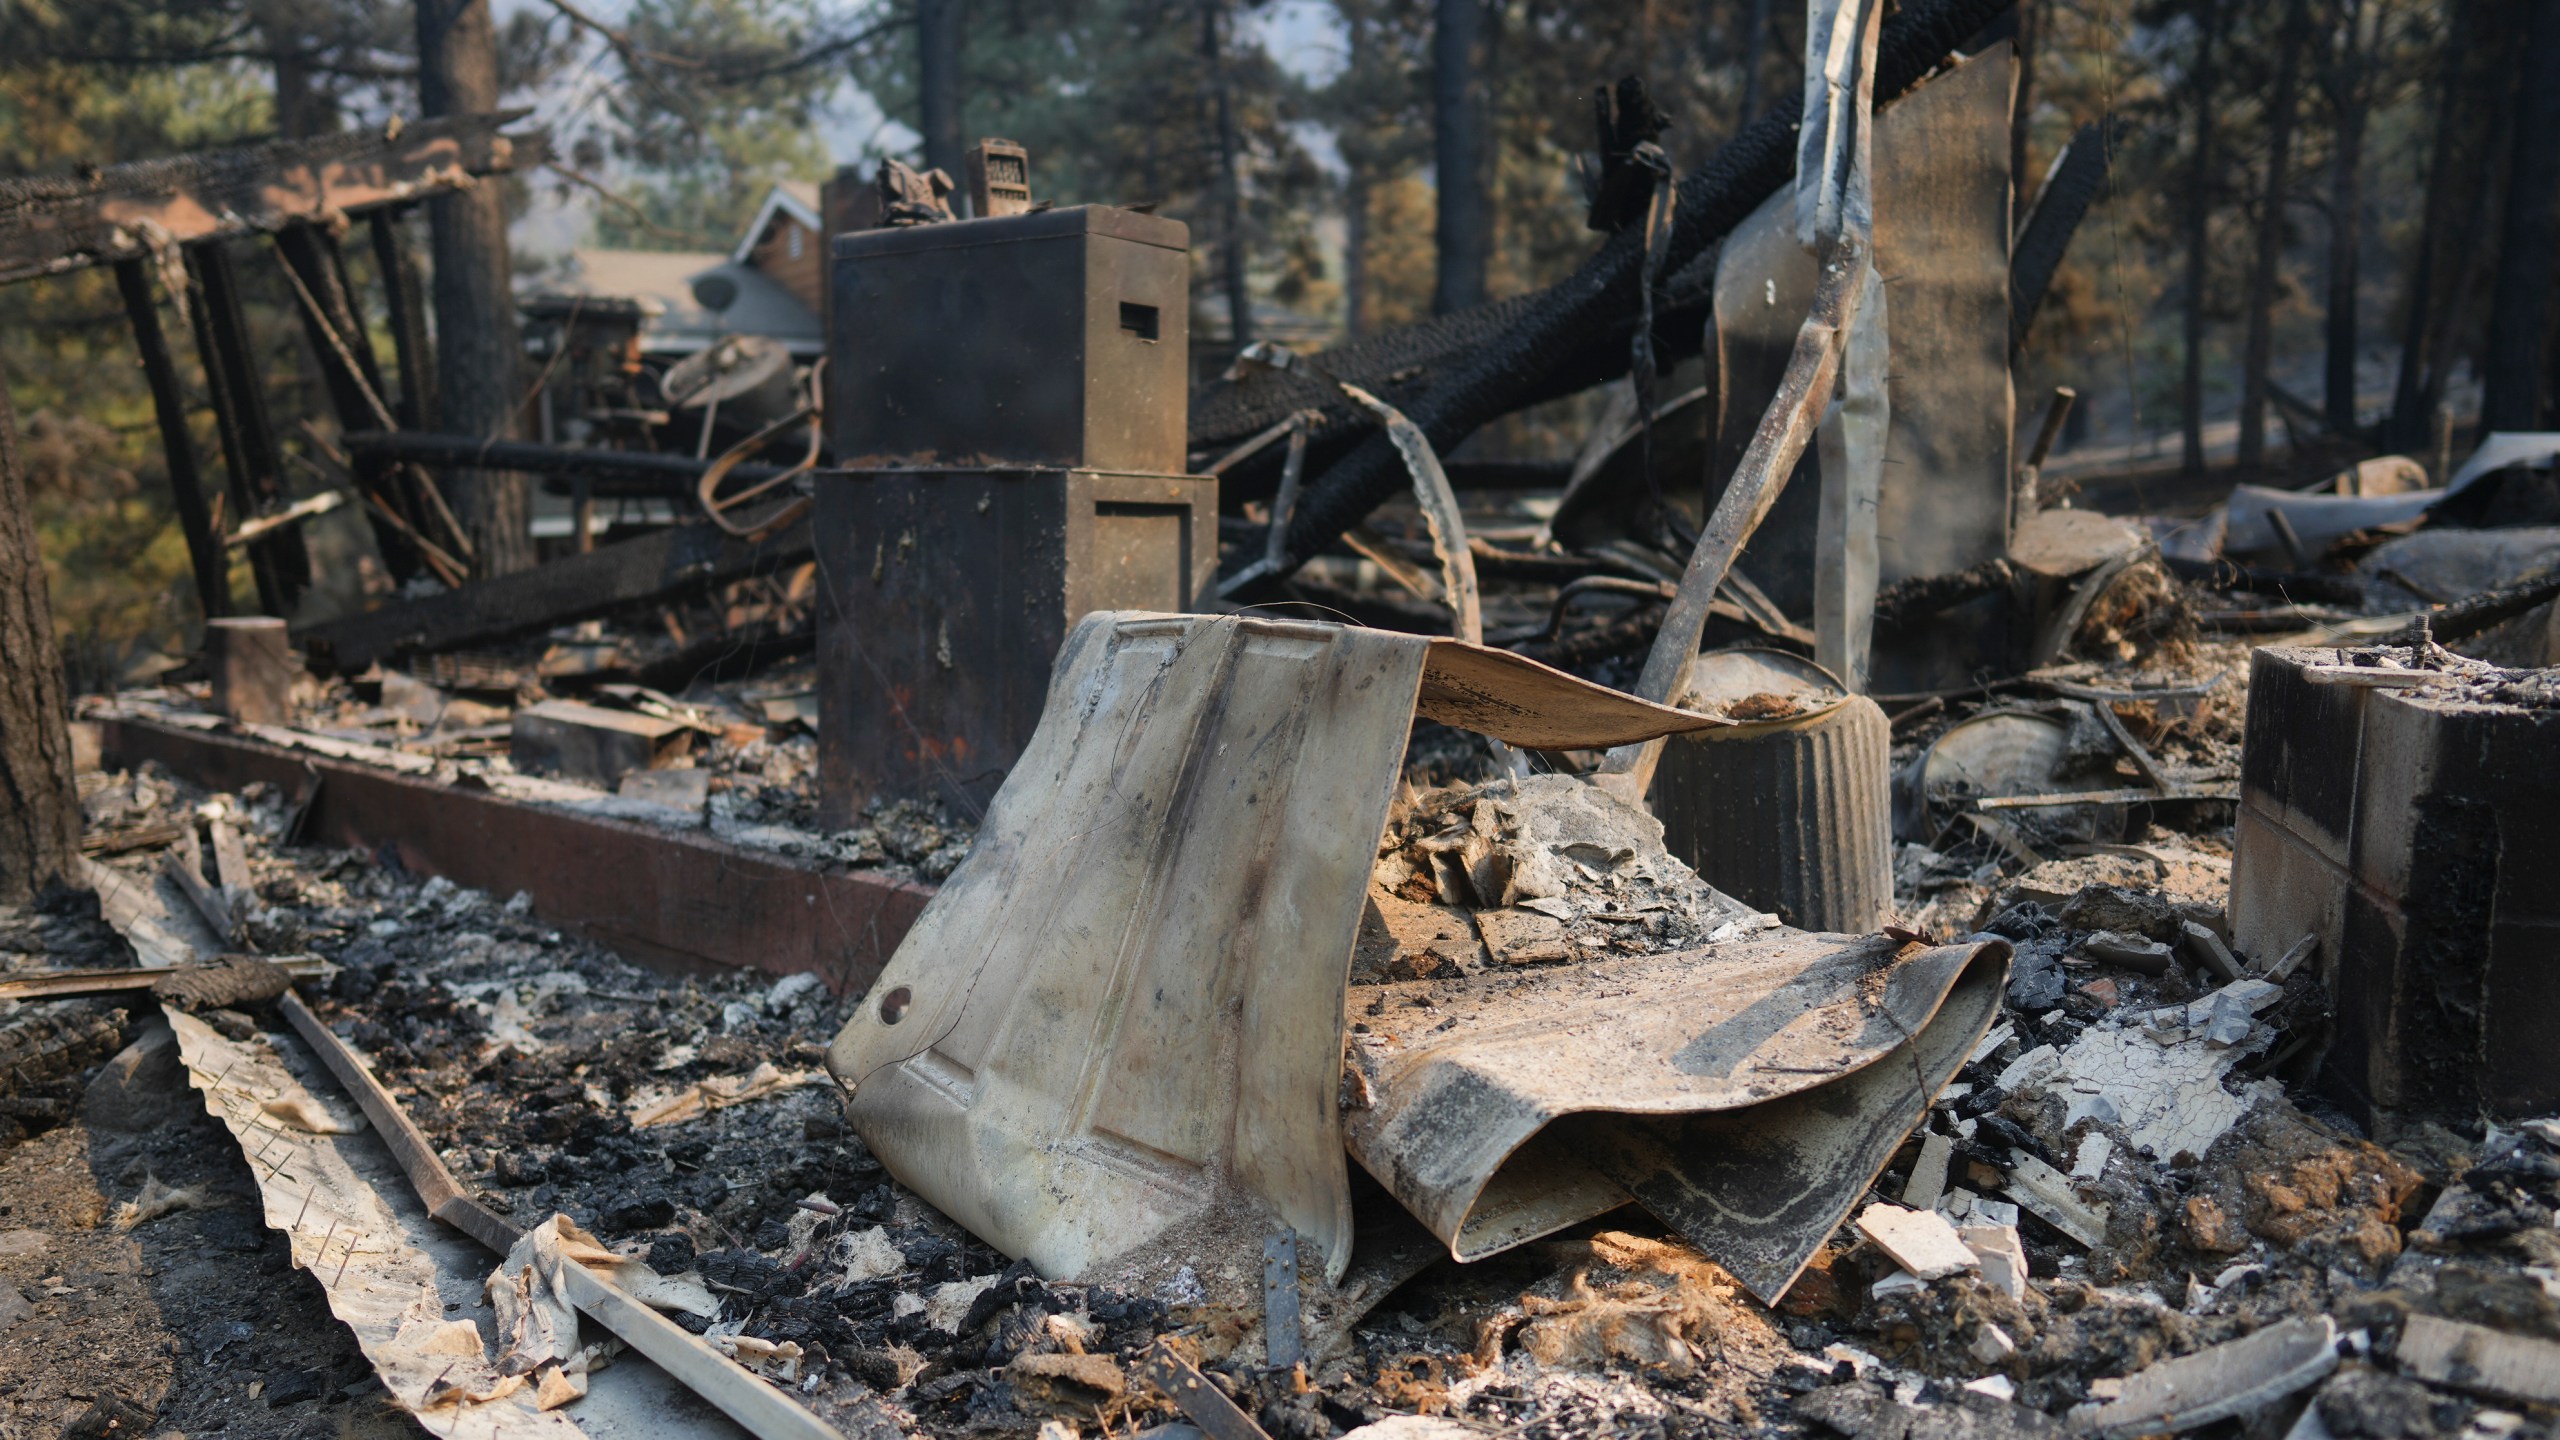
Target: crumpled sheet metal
x=1124, y=1011
x=1747, y=1092
x=407, y=1287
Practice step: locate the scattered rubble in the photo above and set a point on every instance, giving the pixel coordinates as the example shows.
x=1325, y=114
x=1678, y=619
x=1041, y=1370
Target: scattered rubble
x=1306, y=1029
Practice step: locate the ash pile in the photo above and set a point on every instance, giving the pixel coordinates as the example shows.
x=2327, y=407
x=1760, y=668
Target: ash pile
x=1732, y=936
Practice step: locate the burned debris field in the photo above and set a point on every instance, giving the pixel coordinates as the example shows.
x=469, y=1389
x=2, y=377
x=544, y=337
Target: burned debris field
x=1330, y=748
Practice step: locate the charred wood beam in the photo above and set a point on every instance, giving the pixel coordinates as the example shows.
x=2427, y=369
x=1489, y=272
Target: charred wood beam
x=339, y=340
x=344, y=352
x=2468, y=617
x=1562, y=320
x=1680, y=319
x=733, y=656
x=1906, y=603
x=53, y=224
x=1625, y=117
x=416, y=404
x=256, y=462
x=2292, y=585
x=668, y=565
x=647, y=472
x=169, y=404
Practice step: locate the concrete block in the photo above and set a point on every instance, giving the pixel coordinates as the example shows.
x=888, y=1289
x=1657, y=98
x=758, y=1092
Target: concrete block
x=579, y=741
x=2414, y=831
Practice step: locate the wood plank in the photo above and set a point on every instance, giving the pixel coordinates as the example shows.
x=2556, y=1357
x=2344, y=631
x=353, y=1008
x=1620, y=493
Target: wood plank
x=667, y=565
x=50, y=225
x=2479, y=1359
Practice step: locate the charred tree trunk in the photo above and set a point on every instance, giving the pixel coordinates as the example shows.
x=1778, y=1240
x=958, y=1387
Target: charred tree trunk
x=938, y=30
x=478, y=351
x=2349, y=105
x=2471, y=275
x=302, y=107
x=2447, y=156
x=2259, y=345
x=2200, y=184
x=39, y=806
x=1231, y=237
x=1463, y=231
x=2512, y=365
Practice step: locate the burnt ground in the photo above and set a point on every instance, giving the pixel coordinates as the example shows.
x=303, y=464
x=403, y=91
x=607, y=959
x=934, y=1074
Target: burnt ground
x=531, y=1059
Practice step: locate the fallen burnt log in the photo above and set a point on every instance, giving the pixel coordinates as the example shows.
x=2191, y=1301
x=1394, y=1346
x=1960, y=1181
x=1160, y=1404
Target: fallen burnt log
x=1402, y=366
x=615, y=472
x=2069, y=189
x=678, y=561
x=1559, y=328
x=2292, y=585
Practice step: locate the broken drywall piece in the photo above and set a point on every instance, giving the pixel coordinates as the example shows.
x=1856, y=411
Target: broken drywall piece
x=2206, y=949
x=2002, y=1254
x=1896, y=1281
x=2238, y=1377
x=2132, y=952
x=2091, y=1162
x=1920, y=1241
x=1997, y=1036
x=2169, y=1098
x=2023, y=1072
x=2047, y=1192
x=1929, y=1173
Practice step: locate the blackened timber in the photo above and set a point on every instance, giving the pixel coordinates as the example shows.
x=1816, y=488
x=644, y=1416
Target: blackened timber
x=1749, y=168
x=168, y=402
x=2292, y=585
x=668, y=565
x=416, y=403
x=2079, y=172
x=655, y=473
x=338, y=338
x=257, y=482
x=52, y=224
x=344, y=351
x=332, y=329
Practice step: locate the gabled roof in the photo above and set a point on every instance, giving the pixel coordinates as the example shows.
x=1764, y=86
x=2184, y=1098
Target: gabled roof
x=677, y=322
x=795, y=198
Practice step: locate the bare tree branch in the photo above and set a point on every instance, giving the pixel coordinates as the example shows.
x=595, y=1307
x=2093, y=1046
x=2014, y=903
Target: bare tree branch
x=627, y=206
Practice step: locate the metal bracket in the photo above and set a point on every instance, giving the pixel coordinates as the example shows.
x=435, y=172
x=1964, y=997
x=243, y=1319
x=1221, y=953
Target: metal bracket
x=1284, y=1340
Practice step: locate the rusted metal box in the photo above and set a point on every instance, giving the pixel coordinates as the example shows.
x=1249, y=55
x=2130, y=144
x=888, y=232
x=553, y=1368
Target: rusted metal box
x=944, y=596
x=1057, y=339
x=2414, y=833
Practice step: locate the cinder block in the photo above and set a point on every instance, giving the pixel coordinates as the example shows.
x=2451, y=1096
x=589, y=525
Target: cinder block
x=588, y=742
x=2416, y=833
